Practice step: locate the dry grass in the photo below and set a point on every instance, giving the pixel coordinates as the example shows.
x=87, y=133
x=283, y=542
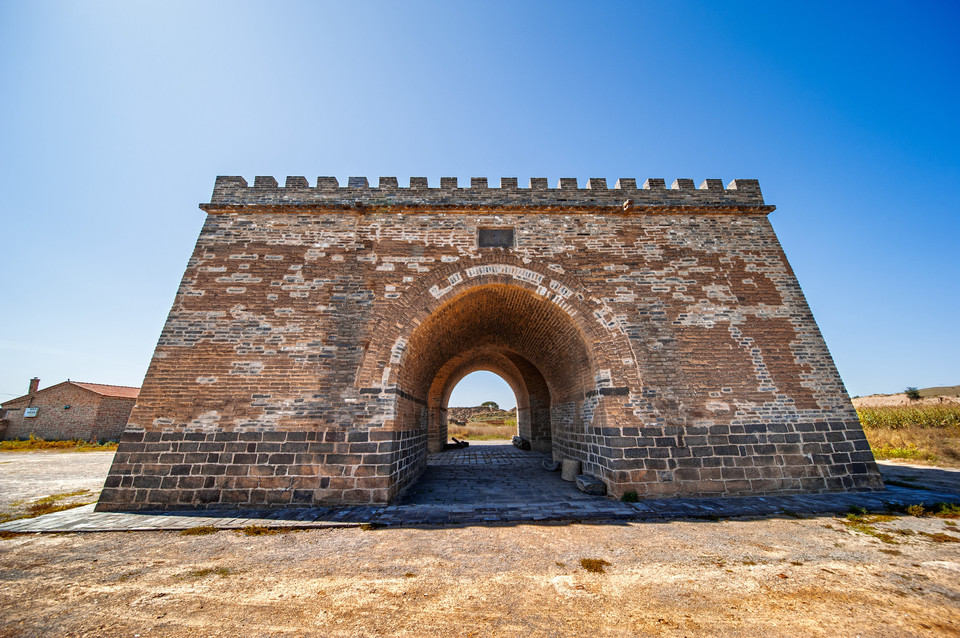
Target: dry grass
x=917, y=444
x=200, y=530
x=262, y=530
x=74, y=445
x=486, y=426
x=472, y=432
x=46, y=505
x=594, y=565
x=927, y=433
x=926, y=415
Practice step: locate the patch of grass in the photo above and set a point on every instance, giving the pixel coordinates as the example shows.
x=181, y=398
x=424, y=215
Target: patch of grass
x=263, y=530
x=940, y=537
x=916, y=510
x=4, y=535
x=868, y=519
x=46, y=505
x=200, y=530
x=52, y=503
x=863, y=523
x=59, y=497
x=409, y=575
x=49, y=508
x=947, y=510
x=630, y=497
x=892, y=552
x=594, y=565
x=369, y=527
x=909, y=452
x=33, y=443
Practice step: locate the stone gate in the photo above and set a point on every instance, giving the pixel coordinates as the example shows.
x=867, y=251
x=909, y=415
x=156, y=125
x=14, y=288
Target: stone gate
x=656, y=334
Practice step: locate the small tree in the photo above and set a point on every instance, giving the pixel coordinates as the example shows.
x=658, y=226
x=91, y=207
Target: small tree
x=912, y=393
x=490, y=404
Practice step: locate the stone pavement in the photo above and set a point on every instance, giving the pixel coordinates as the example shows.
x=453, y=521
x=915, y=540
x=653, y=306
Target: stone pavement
x=492, y=483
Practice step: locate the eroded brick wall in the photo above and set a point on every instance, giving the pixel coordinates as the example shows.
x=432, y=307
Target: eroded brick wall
x=312, y=338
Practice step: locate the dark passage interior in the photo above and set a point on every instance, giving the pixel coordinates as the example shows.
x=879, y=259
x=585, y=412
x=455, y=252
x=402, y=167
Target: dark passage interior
x=528, y=340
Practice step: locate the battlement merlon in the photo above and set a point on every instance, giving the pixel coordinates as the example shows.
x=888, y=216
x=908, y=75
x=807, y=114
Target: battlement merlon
x=234, y=194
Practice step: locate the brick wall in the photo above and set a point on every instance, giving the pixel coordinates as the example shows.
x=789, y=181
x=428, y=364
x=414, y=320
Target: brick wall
x=112, y=417
x=90, y=416
x=658, y=335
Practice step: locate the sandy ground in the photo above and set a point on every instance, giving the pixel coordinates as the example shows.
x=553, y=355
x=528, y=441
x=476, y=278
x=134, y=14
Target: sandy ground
x=29, y=475
x=774, y=576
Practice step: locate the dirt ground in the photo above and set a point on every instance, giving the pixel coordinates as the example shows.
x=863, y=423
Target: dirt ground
x=776, y=577
x=25, y=476
x=823, y=576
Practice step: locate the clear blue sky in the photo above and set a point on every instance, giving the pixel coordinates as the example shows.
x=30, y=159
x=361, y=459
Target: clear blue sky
x=115, y=118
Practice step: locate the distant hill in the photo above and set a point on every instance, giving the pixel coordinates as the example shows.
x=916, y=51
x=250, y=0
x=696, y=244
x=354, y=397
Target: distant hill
x=939, y=394
x=460, y=416
x=941, y=391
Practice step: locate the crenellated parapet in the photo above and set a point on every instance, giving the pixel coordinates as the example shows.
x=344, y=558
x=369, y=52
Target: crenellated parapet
x=231, y=193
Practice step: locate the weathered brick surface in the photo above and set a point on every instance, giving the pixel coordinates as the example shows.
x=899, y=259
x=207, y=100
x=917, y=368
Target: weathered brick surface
x=656, y=334
x=89, y=416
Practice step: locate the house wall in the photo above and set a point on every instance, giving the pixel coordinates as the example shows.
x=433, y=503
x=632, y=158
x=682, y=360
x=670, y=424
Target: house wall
x=112, y=417
x=53, y=421
x=90, y=415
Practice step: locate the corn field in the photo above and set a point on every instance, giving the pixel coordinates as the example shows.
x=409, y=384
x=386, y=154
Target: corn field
x=944, y=415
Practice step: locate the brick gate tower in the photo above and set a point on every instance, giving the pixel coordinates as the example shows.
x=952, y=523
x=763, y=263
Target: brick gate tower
x=656, y=334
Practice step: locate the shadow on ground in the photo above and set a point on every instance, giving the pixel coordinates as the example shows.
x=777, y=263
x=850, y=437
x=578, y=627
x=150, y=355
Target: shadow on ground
x=494, y=484
x=920, y=477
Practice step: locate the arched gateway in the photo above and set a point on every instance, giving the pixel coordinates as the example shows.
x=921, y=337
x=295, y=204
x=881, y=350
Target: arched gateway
x=656, y=334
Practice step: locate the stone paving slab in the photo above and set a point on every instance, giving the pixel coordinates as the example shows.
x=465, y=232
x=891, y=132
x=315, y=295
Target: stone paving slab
x=489, y=485
x=84, y=519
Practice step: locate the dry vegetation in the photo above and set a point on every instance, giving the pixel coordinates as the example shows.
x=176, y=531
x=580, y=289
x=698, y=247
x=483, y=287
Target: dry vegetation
x=921, y=432
x=47, y=505
x=487, y=426
x=74, y=445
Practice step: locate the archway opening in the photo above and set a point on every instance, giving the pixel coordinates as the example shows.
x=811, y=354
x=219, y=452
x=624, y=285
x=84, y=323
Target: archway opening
x=480, y=387
x=482, y=407
x=528, y=339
